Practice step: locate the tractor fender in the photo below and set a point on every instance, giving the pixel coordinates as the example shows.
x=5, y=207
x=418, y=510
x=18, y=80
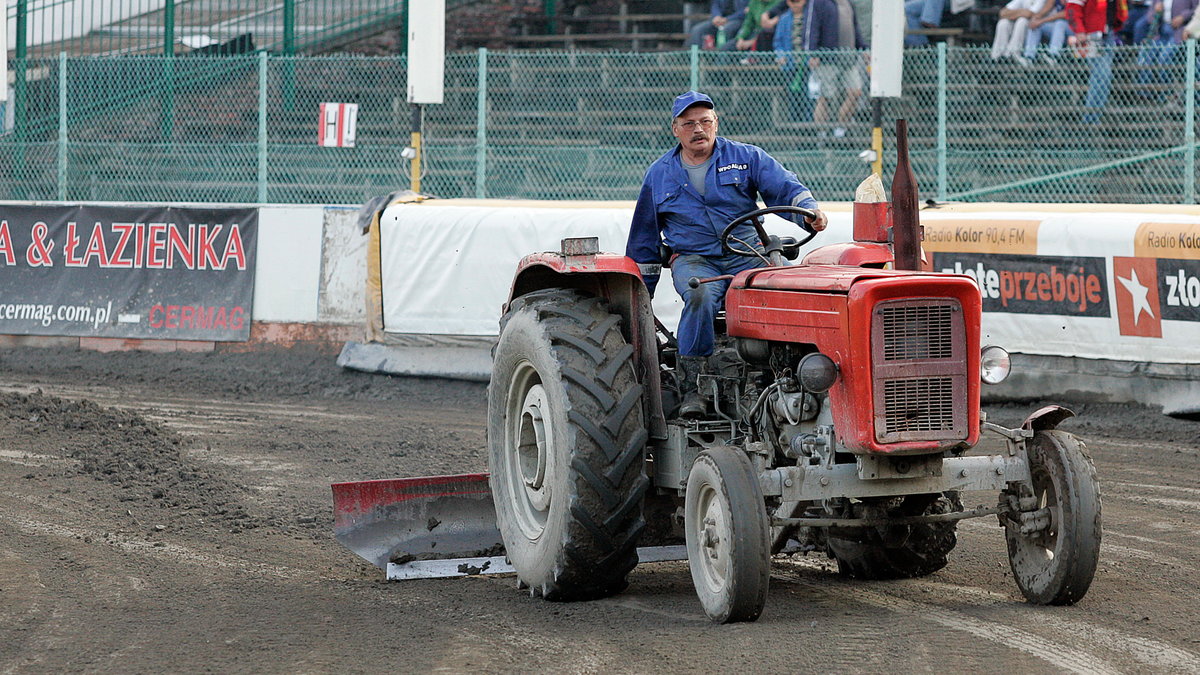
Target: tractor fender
x=1046, y=418
x=616, y=279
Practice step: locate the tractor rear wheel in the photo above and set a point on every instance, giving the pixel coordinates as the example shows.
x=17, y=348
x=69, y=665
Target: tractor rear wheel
x=901, y=551
x=728, y=536
x=1055, y=565
x=566, y=443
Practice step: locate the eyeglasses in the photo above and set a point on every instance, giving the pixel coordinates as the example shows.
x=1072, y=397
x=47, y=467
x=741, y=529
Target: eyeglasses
x=692, y=125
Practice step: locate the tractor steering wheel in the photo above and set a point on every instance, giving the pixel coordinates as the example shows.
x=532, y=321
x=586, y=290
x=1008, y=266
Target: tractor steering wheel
x=770, y=242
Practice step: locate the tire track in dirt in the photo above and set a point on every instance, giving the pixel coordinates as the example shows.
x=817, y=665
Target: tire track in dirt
x=144, y=547
x=1081, y=656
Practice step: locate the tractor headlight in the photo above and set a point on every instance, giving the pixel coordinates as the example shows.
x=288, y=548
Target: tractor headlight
x=994, y=365
x=817, y=372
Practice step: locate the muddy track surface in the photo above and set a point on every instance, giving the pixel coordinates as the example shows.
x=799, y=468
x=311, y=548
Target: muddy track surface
x=171, y=513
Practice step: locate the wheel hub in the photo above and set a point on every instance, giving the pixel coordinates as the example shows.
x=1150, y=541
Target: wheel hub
x=531, y=447
x=711, y=526
x=528, y=452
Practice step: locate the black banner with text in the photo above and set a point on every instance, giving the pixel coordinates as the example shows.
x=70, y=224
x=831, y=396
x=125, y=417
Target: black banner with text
x=1034, y=284
x=127, y=272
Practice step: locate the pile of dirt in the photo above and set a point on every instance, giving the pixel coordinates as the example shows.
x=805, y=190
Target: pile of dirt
x=142, y=459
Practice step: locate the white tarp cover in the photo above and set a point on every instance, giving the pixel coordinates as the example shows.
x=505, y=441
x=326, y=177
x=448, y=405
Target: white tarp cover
x=1091, y=281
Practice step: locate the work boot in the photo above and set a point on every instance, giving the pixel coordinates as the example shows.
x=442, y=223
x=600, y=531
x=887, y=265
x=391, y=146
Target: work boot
x=690, y=368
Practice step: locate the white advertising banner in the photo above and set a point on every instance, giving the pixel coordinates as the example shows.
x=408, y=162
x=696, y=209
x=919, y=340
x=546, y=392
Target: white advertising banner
x=1113, y=285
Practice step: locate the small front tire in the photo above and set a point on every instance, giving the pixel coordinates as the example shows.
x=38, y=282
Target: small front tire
x=728, y=536
x=1055, y=565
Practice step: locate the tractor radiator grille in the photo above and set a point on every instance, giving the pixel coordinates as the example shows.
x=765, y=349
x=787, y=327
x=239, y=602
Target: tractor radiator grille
x=918, y=353
x=917, y=332
x=918, y=405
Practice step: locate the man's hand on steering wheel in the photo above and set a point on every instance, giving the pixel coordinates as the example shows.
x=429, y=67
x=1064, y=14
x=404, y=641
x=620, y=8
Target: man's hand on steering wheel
x=819, y=222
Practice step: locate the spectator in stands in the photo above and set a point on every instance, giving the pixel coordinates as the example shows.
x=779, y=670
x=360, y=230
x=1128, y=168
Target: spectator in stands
x=1051, y=21
x=758, y=29
x=688, y=195
x=1012, y=27
x=1093, y=23
x=841, y=71
x=922, y=14
x=1137, y=26
x=862, y=12
x=1165, y=33
x=808, y=26
x=723, y=27
x=1192, y=30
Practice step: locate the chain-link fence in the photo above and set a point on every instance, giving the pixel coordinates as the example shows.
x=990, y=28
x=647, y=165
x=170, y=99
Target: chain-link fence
x=44, y=28
x=585, y=125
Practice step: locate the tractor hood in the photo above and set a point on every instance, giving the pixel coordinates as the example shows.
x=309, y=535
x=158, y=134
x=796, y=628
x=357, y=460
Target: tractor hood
x=814, y=278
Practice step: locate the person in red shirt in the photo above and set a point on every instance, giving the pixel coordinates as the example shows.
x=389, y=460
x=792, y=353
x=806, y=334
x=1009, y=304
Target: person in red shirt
x=1090, y=21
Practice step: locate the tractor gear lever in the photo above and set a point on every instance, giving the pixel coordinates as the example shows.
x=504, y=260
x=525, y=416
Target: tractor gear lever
x=695, y=282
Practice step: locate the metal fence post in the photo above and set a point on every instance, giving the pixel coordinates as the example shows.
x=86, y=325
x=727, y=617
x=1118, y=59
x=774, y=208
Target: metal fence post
x=1189, y=133
x=695, y=69
x=167, y=115
x=262, y=127
x=62, y=126
x=481, y=127
x=289, y=27
x=169, y=28
x=22, y=51
x=941, y=123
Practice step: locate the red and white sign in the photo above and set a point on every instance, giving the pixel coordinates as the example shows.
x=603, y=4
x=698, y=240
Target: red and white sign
x=1138, y=311
x=338, y=122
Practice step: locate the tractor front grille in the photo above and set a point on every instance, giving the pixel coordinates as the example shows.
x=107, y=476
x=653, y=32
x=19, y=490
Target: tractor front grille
x=917, y=332
x=918, y=349
x=923, y=404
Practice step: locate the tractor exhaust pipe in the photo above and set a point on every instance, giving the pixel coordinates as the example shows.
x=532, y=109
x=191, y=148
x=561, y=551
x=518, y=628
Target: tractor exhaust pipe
x=906, y=223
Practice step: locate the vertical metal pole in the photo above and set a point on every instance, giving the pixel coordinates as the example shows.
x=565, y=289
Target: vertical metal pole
x=169, y=28
x=551, y=9
x=21, y=73
x=167, y=119
x=694, y=82
x=404, y=13
x=262, y=127
x=289, y=27
x=481, y=128
x=877, y=135
x=415, y=166
x=941, y=123
x=1189, y=133
x=62, y=126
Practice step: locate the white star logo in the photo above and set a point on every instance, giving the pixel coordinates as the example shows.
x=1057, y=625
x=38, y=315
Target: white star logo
x=1138, y=293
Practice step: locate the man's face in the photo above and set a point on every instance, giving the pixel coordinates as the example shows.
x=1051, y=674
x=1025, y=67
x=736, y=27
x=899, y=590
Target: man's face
x=696, y=129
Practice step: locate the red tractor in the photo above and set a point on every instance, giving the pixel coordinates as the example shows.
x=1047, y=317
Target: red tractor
x=843, y=418
x=844, y=407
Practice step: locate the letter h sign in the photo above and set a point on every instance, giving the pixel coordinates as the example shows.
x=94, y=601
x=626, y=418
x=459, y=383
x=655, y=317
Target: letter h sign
x=338, y=121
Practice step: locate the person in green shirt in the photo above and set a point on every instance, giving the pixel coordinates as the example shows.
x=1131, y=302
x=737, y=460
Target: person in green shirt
x=758, y=29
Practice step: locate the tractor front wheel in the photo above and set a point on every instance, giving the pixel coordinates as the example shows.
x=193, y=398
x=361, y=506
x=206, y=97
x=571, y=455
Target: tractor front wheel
x=566, y=444
x=1054, y=564
x=728, y=536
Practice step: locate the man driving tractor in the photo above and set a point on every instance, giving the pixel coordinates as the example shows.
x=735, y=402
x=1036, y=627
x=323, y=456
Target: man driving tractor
x=688, y=196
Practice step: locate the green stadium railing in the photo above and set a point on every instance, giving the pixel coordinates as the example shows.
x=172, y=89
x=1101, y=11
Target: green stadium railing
x=585, y=125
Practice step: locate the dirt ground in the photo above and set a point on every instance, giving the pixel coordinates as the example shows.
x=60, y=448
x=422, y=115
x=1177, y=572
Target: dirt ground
x=172, y=513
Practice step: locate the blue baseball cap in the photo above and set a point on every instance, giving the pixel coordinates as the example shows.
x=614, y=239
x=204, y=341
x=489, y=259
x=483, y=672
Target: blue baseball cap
x=689, y=99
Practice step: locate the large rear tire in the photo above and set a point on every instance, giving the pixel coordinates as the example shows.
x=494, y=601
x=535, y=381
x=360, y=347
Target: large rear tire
x=1055, y=566
x=566, y=444
x=901, y=551
x=728, y=536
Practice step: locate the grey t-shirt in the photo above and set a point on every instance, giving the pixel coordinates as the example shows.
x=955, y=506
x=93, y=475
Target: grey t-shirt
x=696, y=173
